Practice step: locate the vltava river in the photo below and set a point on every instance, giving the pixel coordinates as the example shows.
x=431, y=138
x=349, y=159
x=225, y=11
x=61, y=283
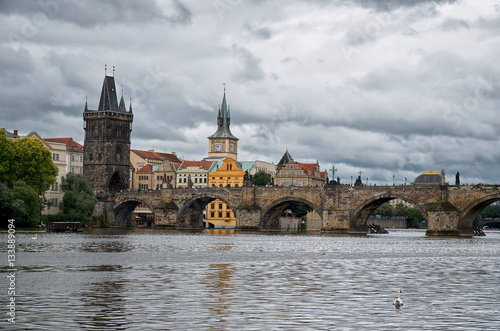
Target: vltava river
x=146, y=279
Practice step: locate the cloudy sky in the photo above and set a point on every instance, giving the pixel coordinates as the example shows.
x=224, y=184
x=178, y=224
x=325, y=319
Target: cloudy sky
x=385, y=87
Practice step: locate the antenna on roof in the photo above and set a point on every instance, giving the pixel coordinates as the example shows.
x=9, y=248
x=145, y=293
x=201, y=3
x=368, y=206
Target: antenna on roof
x=105, y=69
x=113, y=71
x=224, y=87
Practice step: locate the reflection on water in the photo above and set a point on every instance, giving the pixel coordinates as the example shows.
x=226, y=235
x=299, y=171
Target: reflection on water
x=145, y=279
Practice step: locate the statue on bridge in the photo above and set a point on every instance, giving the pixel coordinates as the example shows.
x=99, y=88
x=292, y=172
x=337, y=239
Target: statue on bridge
x=457, y=178
x=247, y=179
x=358, y=181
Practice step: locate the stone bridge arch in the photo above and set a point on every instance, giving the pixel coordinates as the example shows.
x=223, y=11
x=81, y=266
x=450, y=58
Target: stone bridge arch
x=125, y=206
x=270, y=217
x=360, y=215
x=190, y=215
x=467, y=216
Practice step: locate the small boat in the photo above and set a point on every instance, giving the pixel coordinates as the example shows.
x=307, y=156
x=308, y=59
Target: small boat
x=63, y=227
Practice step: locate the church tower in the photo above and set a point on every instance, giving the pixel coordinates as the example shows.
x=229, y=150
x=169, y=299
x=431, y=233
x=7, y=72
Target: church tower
x=223, y=143
x=106, y=160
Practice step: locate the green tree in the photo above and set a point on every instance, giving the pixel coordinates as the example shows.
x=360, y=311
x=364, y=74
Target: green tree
x=384, y=210
x=477, y=221
x=414, y=217
x=491, y=211
x=400, y=210
x=7, y=164
x=33, y=164
x=300, y=209
x=26, y=206
x=78, y=201
x=6, y=200
x=260, y=178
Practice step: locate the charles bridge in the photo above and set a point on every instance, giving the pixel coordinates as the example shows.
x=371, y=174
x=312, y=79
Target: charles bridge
x=449, y=210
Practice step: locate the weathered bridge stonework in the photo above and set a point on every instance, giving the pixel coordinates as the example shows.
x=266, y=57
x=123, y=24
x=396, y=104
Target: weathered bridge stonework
x=449, y=210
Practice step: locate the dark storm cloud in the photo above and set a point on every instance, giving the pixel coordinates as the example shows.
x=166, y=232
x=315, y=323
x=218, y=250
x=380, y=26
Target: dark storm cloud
x=15, y=66
x=91, y=13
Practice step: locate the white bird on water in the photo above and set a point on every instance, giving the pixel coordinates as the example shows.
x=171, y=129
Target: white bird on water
x=398, y=302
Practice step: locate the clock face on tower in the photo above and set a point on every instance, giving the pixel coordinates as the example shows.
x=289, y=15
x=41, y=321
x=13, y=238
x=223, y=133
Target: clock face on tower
x=218, y=147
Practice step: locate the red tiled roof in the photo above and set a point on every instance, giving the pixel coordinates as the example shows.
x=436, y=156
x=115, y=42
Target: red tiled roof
x=146, y=168
x=156, y=156
x=307, y=166
x=71, y=145
x=204, y=164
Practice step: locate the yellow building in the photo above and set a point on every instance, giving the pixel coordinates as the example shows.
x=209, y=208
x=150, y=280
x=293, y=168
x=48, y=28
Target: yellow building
x=225, y=173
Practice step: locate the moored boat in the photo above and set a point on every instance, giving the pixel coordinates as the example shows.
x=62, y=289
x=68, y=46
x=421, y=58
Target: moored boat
x=64, y=227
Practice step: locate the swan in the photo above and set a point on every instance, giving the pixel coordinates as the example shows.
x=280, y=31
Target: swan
x=398, y=302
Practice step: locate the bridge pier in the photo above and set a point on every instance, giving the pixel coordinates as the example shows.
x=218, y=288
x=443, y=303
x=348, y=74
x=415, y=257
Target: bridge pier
x=248, y=218
x=442, y=220
x=336, y=220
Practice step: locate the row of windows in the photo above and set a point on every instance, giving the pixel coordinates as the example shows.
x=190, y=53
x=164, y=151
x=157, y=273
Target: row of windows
x=184, y=180
x=143, y=177
x=228, y=214
x=226, y=178
x=143, y=186
x=77, y=170
x=227, y=185
x=73, y=157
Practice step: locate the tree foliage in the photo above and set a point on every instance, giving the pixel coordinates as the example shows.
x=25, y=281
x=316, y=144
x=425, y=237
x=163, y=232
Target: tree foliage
x=21, y=203
x=413, y=215
x=28, y=160
x=79, y=201
x=260, y=178
x=491, y=211
x=34, y=164
x=300, y=209
x=384, y=210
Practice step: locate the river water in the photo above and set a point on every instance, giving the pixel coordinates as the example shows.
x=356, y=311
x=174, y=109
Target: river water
x=147, y=279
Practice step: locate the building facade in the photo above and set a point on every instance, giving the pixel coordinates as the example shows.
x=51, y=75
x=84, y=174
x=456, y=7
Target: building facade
x=162, y=175
x=106, y=161
x=193, y=174
x=292, y=173
x=226, y=173
x=74, y=154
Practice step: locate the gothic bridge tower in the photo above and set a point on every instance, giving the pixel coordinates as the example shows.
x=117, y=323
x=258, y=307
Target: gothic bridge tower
x=106, y=161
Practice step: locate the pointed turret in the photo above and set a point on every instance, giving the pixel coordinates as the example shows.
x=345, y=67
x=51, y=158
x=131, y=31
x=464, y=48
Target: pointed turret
x=223, y=122
x=86, y=109
x=286, y=158
x=122, y=105
x=108, y=101
x=130, y=108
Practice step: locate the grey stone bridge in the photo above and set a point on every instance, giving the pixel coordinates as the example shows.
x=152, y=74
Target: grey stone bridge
x=449, y=210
